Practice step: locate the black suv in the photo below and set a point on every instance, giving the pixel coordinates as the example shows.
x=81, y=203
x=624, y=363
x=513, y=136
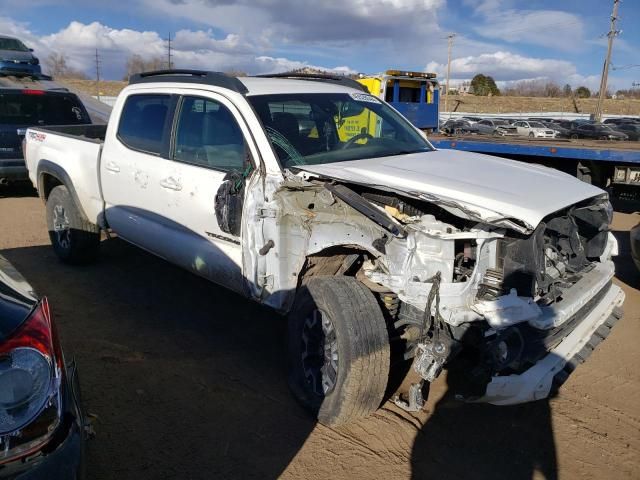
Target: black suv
x=29, y=104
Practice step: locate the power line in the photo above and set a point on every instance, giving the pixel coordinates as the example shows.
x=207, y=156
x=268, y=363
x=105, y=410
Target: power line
x=524, y=29
x=450, y=38
x=98, y=74
x=169, y=55
x=623, y=67
x=607, y=62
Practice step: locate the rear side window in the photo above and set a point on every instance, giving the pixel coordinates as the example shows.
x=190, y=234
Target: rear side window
x=41, y=108
x=142, y=122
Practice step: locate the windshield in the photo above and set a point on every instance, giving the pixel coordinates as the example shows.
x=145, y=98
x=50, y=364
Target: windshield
x=12, y=44
x=41, y=109
x=316, y=128
x=536, y=125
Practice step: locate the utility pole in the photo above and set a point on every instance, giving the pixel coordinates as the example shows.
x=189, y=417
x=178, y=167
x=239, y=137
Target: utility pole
x=97, y=74
x=450, y=38
x=169, y=62
x=607, y=62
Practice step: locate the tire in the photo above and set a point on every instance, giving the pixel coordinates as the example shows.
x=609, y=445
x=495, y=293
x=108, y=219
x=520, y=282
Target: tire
x=74, y=239
x=603, y=137
x=574, y=136
x=356, y=359
x=532, y=135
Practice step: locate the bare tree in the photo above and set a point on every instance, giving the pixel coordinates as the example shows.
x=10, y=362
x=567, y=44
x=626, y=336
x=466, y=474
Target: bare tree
x=58, y=67
x=534, y=88
x=138, y=64
x=236, y=73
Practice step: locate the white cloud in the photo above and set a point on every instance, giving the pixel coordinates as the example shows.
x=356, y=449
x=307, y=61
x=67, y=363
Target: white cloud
x=190, y=49
x=327, y=21
x=543, y=27
x=508, y=68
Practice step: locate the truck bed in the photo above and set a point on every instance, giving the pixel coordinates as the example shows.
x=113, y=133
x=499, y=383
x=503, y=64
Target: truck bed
x=94, y=133
x=68, y=152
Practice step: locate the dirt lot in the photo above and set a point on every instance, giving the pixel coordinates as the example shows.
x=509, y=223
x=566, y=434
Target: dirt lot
x=187, y=382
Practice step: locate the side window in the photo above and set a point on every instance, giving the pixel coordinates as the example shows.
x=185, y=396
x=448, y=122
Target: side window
x=143, y=122
x=209, y=136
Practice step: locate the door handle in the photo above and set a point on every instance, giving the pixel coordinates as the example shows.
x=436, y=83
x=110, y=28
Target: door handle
x=170, y=183
x=112, y=167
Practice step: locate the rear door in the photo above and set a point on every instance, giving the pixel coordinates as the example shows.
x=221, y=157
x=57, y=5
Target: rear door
x=132, y=170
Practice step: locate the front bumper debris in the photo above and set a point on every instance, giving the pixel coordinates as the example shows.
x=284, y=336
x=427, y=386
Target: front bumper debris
x=553, y=370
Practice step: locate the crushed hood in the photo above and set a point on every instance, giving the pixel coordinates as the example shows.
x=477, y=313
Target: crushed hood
x=490, y=188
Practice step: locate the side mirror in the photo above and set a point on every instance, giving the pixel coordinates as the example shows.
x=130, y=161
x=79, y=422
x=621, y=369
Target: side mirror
x=31, y=49
x=229, y=203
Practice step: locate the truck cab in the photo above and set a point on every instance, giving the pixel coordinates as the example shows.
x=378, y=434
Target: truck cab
x=416, y=95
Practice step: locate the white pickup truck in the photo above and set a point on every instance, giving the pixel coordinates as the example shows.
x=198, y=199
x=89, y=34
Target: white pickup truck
x=377, y=246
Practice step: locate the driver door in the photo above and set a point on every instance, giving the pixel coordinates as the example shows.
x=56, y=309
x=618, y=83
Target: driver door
x=208, y=154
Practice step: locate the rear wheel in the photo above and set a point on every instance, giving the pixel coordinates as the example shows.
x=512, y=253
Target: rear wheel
x=338, y=350
x=74, y=239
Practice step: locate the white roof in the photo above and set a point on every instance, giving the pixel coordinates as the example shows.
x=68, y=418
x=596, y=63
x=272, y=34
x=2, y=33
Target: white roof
x=269, y=86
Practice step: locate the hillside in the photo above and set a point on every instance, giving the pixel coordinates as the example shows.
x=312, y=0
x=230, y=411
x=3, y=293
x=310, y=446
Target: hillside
x=470, y=103
x=467, y=103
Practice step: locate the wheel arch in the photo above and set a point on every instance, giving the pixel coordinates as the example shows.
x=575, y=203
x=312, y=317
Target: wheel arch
x=51, y=175
x=335, y=260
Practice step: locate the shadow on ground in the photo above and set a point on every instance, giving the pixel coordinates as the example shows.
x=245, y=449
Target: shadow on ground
x=626, y=270
x=466, y=440
x=18, y=190
x=186, y=379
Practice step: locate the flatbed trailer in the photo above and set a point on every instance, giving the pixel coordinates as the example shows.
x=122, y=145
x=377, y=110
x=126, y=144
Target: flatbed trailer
x=602, y=163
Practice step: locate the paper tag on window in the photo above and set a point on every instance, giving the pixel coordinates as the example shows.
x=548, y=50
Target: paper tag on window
x=363, y=97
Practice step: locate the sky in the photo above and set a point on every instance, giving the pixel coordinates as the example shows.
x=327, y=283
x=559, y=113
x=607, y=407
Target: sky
x=511, y=40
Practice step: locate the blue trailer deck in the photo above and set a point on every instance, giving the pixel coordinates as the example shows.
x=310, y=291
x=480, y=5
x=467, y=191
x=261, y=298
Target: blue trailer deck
x=581, y=150
x=602, y=163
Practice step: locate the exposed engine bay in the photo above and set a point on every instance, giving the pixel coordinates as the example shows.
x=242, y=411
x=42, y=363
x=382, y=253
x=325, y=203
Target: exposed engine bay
x=454, y=287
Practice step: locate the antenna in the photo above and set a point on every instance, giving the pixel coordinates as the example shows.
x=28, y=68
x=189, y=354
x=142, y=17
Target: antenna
x=450, y=38
x=607, y=62
x=97, y=74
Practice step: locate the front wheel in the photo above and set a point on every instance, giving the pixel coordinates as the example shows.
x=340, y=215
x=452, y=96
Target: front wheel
x=338, y=350
x=74, y=239
x=531, y=135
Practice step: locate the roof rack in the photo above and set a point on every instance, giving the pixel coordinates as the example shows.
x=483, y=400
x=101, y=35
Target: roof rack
x=337, y=79
x=217, y=79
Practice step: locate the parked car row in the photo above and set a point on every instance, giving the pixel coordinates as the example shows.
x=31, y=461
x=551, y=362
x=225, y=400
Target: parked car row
x=543, y=127
x=29, y=102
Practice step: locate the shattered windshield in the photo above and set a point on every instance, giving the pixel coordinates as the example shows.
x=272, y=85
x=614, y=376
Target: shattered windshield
x=317, y=128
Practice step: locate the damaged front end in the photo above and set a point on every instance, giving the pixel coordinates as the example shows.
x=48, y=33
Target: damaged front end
x=498, y=300
x=493, y=298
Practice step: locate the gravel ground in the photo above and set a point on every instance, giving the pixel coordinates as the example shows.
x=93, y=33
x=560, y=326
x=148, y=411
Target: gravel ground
x=187, y=381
